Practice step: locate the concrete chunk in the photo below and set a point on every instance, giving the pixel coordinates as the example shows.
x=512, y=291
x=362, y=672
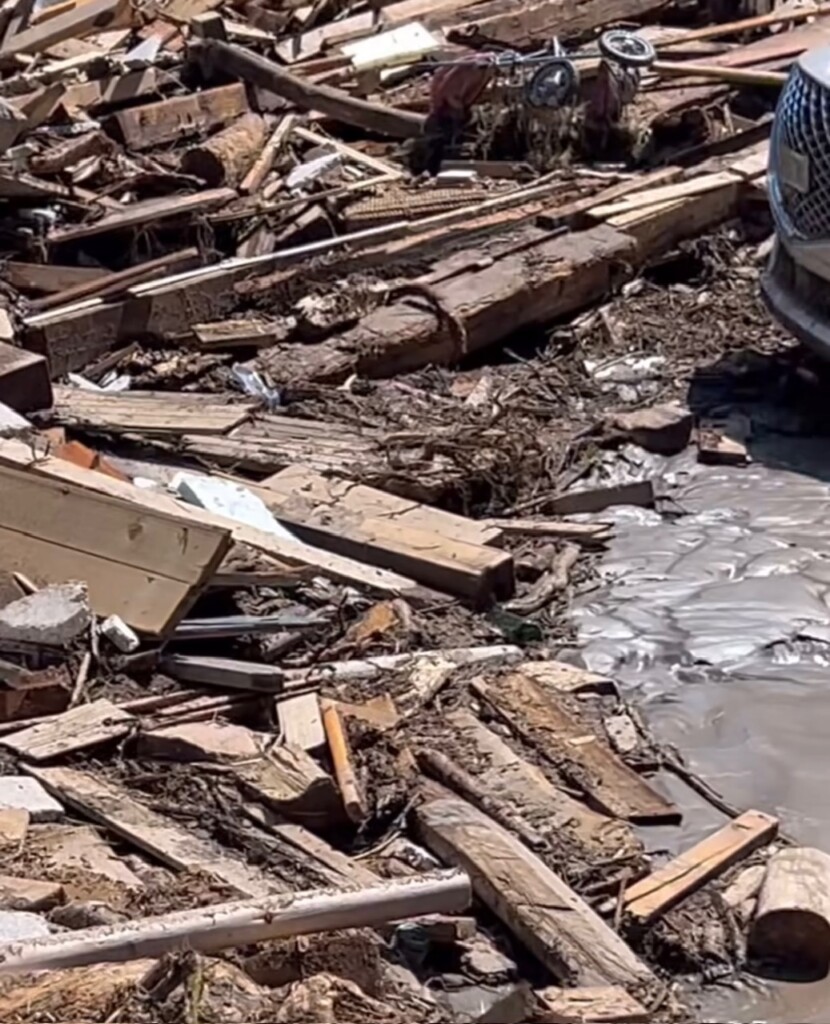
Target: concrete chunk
x=52, y=616
x=19, y=792
x=16, y=925
x=202, y=741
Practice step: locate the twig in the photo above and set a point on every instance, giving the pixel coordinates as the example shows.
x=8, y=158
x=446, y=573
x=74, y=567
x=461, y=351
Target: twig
x=80, y=680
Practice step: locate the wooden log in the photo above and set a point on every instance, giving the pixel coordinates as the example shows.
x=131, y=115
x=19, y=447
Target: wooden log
x=791, y=928
x=664, y=888
x=541, y=718
x=225, y=158
x=324, y=99
x=242, y=923
x=558, y=927
x=261, y=168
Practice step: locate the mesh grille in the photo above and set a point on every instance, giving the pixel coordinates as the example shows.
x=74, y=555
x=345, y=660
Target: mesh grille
x=802, y=123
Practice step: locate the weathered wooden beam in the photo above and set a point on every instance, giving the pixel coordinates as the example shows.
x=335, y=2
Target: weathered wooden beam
x=334, y=103
x=544, y=913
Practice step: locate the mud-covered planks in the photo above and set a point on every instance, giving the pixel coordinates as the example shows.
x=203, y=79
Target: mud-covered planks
x=470, y=311
x=665, y=888
x=540, y=716
x=525, y=789
x=77, y=729
x=114, y=808
x=558, y=927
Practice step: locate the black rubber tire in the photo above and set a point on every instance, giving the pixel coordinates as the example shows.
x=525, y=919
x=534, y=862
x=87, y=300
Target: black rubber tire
x=538, y=93
x=627, y=48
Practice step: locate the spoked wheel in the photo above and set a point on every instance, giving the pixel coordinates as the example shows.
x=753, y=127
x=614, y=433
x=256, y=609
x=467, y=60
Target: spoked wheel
x=627, y=48
x=554, y=84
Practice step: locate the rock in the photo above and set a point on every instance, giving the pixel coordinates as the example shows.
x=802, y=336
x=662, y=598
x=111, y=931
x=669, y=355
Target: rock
x=28, y=894
x=483, y=961
x=16, y=925
x=663, y=429
x=716, y=449
x=14, y=824
x=19, y=792
x=622, y=733
x=52, y=616
x=202, y=741
x=745, y=888
x=86, y=914
x=496, y=1004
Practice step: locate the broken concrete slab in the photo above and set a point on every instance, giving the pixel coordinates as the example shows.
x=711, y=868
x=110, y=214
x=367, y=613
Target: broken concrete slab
x=19, y=792
x=16, y=925
x=53, y=616
x=664, y=429
x=29, y=894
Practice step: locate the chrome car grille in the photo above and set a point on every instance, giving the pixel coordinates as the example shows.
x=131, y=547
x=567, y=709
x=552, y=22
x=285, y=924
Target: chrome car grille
x=802, y=127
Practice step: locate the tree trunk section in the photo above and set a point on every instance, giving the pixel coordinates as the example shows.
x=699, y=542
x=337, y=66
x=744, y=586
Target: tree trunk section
x=792, y=921
x=225, y=158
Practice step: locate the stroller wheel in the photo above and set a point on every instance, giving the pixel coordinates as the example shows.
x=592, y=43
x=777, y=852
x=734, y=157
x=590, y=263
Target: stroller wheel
x=627, y=48
x=554, y=84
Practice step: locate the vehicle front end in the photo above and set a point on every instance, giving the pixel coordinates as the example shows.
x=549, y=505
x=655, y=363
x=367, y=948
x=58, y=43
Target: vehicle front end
x=796, y=283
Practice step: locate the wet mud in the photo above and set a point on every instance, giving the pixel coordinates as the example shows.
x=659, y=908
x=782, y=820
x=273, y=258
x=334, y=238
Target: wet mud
x=714, y=614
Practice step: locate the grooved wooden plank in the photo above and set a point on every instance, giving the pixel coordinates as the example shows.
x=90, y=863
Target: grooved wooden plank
x=77, y=729
x=607, y=1005
x=666, y=887
x=148, y=412
x=538, y=715
x=113, y=807
x=555, y=924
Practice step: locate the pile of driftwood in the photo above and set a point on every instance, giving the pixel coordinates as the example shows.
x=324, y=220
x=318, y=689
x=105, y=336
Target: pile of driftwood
x=283, y=735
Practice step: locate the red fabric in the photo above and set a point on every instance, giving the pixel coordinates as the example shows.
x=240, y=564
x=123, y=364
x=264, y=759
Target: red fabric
x=456, y=88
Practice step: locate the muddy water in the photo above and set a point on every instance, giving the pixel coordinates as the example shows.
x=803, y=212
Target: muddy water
x=718, y=622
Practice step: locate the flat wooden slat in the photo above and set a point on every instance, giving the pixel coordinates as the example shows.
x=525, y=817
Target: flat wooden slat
x=666, y=887
x=78, y=729
x=159, y=413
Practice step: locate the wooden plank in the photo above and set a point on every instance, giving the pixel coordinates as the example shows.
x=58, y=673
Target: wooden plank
x=48, y=277
x=479, y=308
x=539, y=716
x=24, y=379
x=89, y=17
x=508, y=778
x=114, y=808
x=664, y=888
x=157, y=124
x=301, y=722
x=609, y=1005
x=143, y=213
x=154, y=412
x=340, y=493
x=245, y=333
x=472, y=571
x=58, y=522
x=77, y=729
x=558, y=927
x=290, y=552
x=115, y=90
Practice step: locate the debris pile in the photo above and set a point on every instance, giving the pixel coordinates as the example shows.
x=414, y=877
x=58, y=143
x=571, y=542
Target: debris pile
x=289, y=727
